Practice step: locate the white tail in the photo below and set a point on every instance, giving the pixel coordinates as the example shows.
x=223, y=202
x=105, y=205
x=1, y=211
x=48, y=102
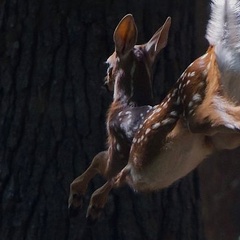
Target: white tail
x=223, y=33
x=216, y=27
x=223, y=26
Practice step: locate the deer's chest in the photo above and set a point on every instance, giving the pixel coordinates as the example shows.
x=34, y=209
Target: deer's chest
x=123, y=124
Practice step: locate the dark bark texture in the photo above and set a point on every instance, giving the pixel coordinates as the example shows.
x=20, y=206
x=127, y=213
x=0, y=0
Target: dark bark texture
x=220, y=193
x=52, y=117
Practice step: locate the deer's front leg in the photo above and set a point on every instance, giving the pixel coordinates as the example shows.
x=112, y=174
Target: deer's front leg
x=79, y=186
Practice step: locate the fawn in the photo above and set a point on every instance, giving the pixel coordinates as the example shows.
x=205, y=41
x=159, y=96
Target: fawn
x=129, y=75
x=199, y=116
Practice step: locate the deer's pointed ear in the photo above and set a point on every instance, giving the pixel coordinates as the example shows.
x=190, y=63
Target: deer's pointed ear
x=158, y=40
x=125, y=35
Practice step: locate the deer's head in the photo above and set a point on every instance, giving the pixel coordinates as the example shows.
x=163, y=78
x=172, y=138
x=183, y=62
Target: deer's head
x=129, y=73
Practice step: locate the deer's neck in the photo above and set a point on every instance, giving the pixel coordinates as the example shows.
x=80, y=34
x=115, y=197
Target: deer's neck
x=133, y=87
x=122, y=90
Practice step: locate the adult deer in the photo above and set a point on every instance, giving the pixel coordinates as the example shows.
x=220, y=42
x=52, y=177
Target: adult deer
x=200, y=115
x=130, y=76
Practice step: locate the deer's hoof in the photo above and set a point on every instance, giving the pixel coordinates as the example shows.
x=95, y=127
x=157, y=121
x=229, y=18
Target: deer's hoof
x=75, y=204
x=93, y=214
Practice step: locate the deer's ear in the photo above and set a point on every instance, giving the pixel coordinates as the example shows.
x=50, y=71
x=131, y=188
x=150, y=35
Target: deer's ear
x=158, y=40
x=125, y=35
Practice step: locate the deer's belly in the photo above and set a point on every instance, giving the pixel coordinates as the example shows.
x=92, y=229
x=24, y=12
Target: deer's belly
x=180, y=156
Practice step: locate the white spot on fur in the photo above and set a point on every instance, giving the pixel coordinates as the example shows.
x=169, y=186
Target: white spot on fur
x=173, y=113
x=168, y=121
x=156, y=125
x=148, y=131
x=178, y=101
x=190, y=104
x=191, y=74
x=174, y=92
x=197, y=97
x=191, y=111
x=118, y=147
x=135, y=128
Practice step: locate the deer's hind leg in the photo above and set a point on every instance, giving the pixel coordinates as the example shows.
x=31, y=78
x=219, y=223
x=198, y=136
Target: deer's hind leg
x=100, y=196
x=79, y=186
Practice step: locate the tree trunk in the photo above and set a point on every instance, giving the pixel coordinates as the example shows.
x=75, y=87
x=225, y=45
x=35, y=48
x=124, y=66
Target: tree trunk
x=220, y=184
x=52, y=117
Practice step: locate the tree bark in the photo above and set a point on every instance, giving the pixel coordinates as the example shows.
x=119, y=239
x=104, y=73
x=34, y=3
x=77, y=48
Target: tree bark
x=220, y=181
x=52, y=117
